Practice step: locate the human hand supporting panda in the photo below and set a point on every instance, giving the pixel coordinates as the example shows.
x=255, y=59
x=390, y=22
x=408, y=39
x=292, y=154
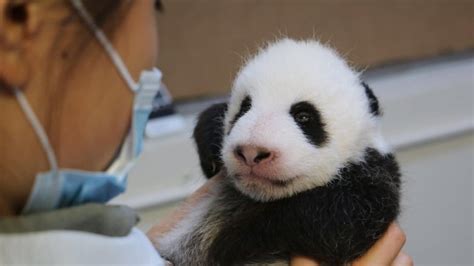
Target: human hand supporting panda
x=166, y=225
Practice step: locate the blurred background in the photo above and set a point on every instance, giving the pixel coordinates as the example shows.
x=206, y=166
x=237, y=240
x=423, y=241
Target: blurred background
x=418, y=56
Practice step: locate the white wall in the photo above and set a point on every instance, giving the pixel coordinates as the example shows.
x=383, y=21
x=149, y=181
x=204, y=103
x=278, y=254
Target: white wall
x=437, y=206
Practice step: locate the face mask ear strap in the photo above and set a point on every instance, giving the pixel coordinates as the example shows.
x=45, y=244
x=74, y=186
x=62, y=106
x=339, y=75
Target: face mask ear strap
x=104, y=41
x=39, y=130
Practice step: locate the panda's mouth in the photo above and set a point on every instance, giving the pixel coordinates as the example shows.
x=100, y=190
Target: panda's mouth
x=263, y=179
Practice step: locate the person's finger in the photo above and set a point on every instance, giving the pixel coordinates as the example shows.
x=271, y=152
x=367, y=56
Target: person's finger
x=302, y=261
x=403, y=260
x=385, y=250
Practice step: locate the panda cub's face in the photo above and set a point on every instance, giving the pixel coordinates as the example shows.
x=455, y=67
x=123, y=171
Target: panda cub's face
x=297, y=114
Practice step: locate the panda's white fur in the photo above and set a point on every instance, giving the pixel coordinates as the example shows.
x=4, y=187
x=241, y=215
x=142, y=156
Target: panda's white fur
x=282, y=74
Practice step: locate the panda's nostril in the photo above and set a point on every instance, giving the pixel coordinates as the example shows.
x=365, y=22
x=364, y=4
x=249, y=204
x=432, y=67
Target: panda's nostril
x=239, y=154
x=262, y=155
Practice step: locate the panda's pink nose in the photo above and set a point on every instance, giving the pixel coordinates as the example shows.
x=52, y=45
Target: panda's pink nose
x=253, y=155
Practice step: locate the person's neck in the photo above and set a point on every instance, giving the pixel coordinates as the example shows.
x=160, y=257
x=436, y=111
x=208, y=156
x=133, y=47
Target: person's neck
x=6, y=208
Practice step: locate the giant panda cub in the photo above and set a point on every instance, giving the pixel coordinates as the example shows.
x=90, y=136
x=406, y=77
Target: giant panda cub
x=306, y=169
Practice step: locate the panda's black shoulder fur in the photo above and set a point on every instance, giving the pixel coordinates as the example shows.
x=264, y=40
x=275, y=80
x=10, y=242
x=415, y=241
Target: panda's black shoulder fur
x=208, y=136
x=334, y=224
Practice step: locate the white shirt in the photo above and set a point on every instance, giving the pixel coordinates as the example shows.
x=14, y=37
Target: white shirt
x=63, y=247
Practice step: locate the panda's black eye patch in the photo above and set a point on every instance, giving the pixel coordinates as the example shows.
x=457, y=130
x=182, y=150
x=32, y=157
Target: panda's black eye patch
x=245, y=106
x=308, y=118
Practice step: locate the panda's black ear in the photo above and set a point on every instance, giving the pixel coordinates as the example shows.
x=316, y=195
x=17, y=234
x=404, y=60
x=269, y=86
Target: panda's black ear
x=373, y=102
x=208, y=135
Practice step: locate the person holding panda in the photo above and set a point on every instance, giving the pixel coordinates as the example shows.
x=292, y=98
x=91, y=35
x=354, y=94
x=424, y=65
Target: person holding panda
x=70, y=130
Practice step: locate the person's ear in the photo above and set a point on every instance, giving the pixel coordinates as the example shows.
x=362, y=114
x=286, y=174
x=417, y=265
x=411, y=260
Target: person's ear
x=19, y=20
x=27, y=31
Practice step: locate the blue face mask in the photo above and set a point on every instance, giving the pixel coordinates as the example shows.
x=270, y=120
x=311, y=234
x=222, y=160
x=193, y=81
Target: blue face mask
x=60, y=188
